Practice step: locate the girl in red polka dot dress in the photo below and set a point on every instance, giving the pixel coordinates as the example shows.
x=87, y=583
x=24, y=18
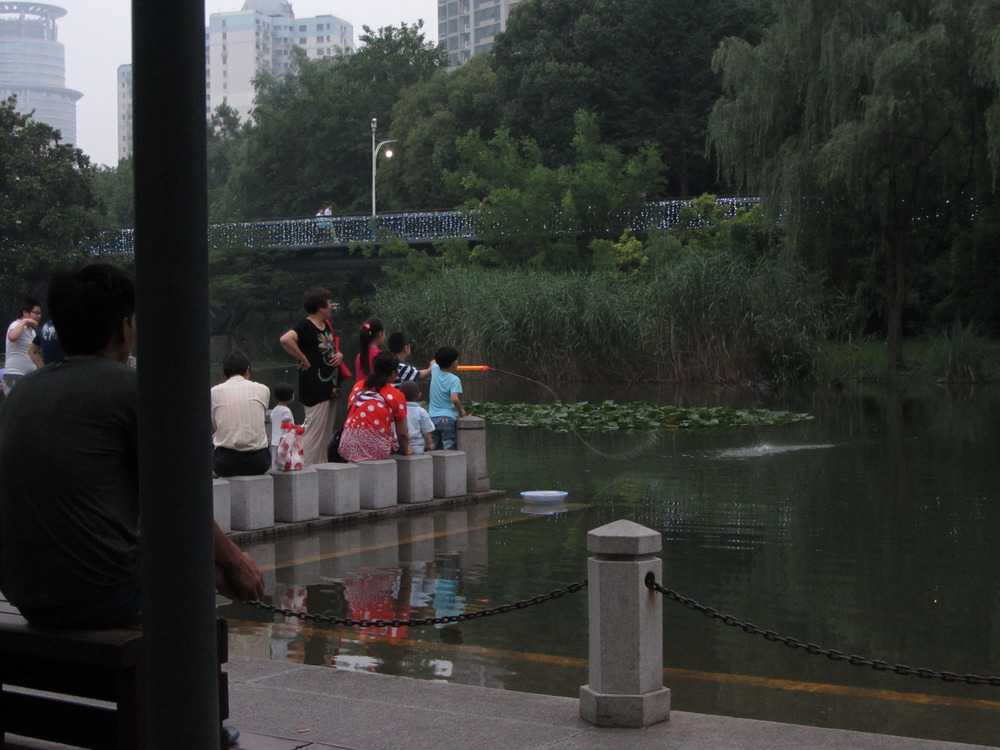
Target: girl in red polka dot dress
x=375, y=408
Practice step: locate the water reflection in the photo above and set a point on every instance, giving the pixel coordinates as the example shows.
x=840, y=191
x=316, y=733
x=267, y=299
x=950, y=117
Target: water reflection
x=871, y=529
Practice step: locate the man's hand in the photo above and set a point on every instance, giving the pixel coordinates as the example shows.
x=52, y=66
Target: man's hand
x=236, y=574
x=242, y=581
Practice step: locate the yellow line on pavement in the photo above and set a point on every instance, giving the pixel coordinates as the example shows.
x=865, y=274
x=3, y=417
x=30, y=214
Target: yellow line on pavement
x=769, y=683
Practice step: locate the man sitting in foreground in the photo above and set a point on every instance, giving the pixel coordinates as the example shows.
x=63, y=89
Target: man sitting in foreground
x=69, y=495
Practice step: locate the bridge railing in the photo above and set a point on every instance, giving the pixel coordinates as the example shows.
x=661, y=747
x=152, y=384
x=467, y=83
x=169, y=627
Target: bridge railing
x=422, y=226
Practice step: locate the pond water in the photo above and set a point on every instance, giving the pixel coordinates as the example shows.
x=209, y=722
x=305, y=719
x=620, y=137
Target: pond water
x=872, y=529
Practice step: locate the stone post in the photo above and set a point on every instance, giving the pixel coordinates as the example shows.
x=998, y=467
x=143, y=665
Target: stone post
x=626, y=629
x=472, y=442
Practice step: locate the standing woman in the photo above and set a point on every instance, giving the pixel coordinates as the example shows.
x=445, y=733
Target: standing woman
x=370, y=338
x=374, y=408
x=314, y=345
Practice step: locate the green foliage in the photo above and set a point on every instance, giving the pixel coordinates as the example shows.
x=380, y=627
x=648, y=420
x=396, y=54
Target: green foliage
x=115, y=189
x=245, y=288
x=310, y=138
x=626, y=255
x=714, y=317
x=428, y=119
x=641, y=67
x=963, y=283
x=957, y=354
x=723, y=303
x=528, y=213
x=637, y=415
x=48, y=208
x=860, y=125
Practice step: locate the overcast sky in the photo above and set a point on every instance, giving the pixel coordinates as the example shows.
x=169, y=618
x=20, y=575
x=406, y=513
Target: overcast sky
x=96, y=33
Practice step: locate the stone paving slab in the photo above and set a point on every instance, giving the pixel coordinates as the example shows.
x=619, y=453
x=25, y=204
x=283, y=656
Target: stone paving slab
x=319, y=707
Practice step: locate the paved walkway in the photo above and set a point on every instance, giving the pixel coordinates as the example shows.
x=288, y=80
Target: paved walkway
x=281, y=706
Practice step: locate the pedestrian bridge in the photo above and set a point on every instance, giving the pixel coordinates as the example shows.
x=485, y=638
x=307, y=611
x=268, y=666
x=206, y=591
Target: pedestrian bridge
x=344, y=232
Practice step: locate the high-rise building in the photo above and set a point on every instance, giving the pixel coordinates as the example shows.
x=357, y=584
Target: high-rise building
x=469, y=27
x=260, y=37
x=33, y=65
x=239, y=45
x=124, y=111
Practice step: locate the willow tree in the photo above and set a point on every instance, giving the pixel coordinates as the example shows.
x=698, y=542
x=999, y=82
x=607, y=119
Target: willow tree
x=864, y=126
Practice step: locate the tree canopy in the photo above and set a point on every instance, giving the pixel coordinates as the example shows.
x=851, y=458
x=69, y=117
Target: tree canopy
x=860, y=125
x=642, y=67
x=47, y=202
x=309, y=139
x=525, y=211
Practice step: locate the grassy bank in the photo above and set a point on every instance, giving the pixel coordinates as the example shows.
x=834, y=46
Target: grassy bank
x=957, y=356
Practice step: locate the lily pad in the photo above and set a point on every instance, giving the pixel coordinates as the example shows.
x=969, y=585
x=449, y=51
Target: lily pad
x=635, y=415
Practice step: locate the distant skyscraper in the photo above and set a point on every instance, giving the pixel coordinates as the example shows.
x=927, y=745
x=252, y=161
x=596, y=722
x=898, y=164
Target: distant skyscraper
x=469, y=27
x=33, y=65
x=124, y=111
x=239, y=45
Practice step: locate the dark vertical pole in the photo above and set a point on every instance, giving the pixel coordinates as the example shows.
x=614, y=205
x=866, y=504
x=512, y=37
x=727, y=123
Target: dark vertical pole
x=175, y=475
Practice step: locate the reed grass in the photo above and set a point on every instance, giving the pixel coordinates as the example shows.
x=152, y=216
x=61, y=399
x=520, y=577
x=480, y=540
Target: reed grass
x=708, y=317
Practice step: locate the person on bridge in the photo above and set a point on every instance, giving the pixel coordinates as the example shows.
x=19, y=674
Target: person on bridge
x=321, y=370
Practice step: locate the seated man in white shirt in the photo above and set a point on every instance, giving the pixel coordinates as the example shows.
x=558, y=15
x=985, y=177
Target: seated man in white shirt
x=238, y=409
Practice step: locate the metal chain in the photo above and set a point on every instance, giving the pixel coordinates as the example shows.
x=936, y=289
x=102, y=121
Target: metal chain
x=812, y=648
x=396, y=623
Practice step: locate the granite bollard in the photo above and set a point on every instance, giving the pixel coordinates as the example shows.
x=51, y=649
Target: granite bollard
x=251, y=502
x=378, y=483
x=222, y=512
x=472, y=442
x=296, y=495
x=626, y=629
x=450, y=478
x=339, y=490
x=414, y=478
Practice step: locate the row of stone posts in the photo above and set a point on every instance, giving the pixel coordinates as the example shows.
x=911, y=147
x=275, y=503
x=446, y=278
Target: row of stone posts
x=249, y=503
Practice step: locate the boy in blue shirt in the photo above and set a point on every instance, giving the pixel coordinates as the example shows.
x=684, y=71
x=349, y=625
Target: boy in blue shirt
x=445, y=398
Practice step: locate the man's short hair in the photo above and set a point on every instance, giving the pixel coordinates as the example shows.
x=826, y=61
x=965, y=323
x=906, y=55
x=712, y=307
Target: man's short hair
x=315, y=298
x=397, y=342
x=235, y=363
x=88, y=306
x=29, y=304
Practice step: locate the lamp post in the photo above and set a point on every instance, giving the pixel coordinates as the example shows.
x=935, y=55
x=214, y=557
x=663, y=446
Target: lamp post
x=376, y=147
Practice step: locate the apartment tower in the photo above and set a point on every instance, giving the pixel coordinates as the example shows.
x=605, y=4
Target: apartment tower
x=469, y=27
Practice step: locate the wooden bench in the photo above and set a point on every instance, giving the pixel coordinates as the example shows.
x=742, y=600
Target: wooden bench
x=74, y=669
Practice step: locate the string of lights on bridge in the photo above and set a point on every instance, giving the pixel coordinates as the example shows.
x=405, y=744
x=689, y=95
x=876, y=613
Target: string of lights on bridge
x=429, y=226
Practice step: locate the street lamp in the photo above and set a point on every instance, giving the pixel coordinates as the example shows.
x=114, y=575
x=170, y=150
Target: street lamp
x=375, y=149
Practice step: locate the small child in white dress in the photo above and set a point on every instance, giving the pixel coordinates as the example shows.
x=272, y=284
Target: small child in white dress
x=418, y=421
